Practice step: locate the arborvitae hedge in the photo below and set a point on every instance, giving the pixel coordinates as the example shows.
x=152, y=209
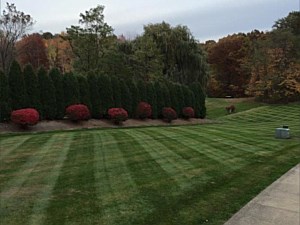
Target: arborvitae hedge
x=199, y=105
x=126, y=99
x=71, y=89
x=106, y=94
x=5, y=108
x=115, y=83
x=135, y=98
x=32, y=88
x=142, y=91
x=47, y=94
x=84, y=91
x=152, y=98
x=180, y=99
x=57, y=79
x=95, y=96
x=174, y=98
x=160, y=99
x=98, y=92
x=16, y=87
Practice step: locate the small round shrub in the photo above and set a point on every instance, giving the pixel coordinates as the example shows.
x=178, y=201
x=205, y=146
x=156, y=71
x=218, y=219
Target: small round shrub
x=230, y=109
x=169, y=114
x=25, y=117
x=144, y=110
x=78, y=112
x=188, y=112
x=117, y=115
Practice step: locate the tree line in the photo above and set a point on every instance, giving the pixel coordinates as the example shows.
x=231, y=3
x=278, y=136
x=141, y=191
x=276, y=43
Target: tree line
x=51, y=92
x=261, y=64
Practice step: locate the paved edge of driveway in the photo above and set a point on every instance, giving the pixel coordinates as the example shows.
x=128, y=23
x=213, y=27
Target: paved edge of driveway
x=278, y=204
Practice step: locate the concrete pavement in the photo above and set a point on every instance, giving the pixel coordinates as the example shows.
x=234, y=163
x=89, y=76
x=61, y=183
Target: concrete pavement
x=278, y=204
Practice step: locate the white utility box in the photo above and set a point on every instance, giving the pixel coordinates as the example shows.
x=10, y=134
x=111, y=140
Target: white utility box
x=283, y=133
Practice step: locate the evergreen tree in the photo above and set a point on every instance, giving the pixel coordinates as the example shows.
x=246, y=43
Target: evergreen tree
x=180, y=99
x=142, y=90
x=125, y=96
x=199, y=104
x=95, y=96
x=152, y=99
x=116, y=92
x=135, y=98
x=160, y=99
x=5, y=108
x=16, y=87
x=106, y=94
x=47, y=95
x=71, y=89
x=32, y=88
x=84, y=91
x=174, y=98
x=166, y=93
x=57, y=79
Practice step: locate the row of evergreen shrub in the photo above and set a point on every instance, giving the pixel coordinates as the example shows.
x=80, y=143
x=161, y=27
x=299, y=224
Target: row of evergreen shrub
x=50, y=93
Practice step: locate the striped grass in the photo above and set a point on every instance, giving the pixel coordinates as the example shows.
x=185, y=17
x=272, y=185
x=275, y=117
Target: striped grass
x=157, y=175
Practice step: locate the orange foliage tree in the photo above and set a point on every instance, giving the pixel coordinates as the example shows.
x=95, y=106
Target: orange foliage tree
x=32, y=50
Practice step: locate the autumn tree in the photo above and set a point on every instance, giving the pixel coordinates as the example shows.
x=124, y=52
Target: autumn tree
x=13, y=25
x=227, y=58
x=88, y=40
x=59, y=52
x=31, y=49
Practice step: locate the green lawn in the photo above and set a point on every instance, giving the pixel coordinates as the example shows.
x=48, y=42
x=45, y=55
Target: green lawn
x=198, y=174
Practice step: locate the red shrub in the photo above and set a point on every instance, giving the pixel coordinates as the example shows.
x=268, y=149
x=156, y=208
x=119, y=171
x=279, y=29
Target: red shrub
x=25, y=117
x=188, y=112
x=144, y=110
x=78, y=112
x=169, y=114
x=117, y=115
x=230, y=109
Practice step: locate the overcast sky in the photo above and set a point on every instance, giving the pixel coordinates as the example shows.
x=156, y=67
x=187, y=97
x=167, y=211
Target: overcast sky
x=207, y=19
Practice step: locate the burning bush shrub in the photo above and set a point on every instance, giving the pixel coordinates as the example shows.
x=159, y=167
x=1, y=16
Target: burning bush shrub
x=25, y=117
x=169, y=114
x=144, y=110
x=78, y=112
x=117, y=115
x=188, y=112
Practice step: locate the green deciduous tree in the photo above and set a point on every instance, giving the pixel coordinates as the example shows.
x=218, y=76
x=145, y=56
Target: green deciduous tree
x=89, y=40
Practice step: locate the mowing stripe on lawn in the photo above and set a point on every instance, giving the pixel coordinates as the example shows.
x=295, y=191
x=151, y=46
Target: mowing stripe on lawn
x=61, y=146
x=74, y=199
x=116, y=190
x=172, y=163
x=156, y=187
x=9, y=144
x=12, y=187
